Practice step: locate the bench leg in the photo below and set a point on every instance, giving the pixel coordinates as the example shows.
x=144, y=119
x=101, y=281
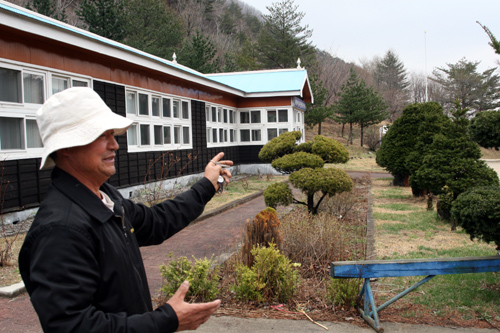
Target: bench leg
x=369, y=303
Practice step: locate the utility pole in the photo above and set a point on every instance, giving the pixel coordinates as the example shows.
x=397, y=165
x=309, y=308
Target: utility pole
x=425, y=64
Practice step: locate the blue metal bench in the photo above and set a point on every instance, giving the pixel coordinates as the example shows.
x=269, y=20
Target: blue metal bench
x=368, y=269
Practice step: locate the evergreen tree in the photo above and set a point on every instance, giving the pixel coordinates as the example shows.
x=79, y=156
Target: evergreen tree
x=474, y=90
x=199, y=54
x=48, y=8
x=103, y=17
x=318, y=112
x=152, y=26
x=392, y=81
x=494, y=43
x=359, y=104
x=283, y=40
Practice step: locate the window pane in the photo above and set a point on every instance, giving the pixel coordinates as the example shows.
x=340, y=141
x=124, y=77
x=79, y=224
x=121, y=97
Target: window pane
x=11, y=133
x=255, y=117
x=244, y=117
x=214, y=114
x=245, y=135
x=219, y=115
x=221, y=135
x=77, y=83
x=155, y=106
x=214, y=134
x=131, y=105
x=166, y=107
x=209, y=131
x=176, y=109
x=166, y=135
x=185, y=135
x=33, y=88
x=177, y=134
x=59, y=84
x=207, y=113
x=255, y=135
x=231, y=135
x=225, y=115
x=271, y=116
x=33, y=134
x=132, y=135
x=158, y=133
x=225, y=135
x=272, y=133
x=231, y=116
x=185, y=110
x=145, y=141
x=283, y=130
x=283, y=116
x=143, y=104
x=10, y=85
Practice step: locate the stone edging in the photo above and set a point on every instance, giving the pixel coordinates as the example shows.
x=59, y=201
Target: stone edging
x=12, y=290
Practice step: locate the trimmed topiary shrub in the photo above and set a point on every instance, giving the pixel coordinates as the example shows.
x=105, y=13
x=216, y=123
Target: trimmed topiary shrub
x=296, y=161
x=330, y=150
x=279, y=146
x=278, y=194
x=478, y=212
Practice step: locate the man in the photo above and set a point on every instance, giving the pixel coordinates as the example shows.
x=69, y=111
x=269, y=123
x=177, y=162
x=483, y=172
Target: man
x=80, y=261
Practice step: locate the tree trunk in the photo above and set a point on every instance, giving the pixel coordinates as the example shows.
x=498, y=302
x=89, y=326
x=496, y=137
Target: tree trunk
x=310, y=205
x=350, y=132
x=319, y=128
x=343, y=125
x=361, y=135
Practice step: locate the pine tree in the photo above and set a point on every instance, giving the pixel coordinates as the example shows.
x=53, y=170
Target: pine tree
x=103, y=17
x=283, y=39
x=200, y=54
x=48, y=8
x=318, y=112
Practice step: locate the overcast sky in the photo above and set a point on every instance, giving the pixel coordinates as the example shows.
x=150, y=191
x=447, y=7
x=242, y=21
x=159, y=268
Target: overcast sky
x=423, y=33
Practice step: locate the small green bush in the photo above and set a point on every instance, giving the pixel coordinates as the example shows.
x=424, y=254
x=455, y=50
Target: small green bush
x=203, y=282
x=305, y=147
x=478, y=212
x=272, y=277
x=330, y=150
x=296, y=161
x=279, y=146
x=278, y=194
x=343, y=292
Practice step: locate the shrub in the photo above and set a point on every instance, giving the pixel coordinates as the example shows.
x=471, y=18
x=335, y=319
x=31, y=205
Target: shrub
x=261, y=231
x=330, y=150
x=296, y=161
x=343, y=292
x=478, y=212
x=272, y=277
x=305, y=147
x=279, y=146
x=278, y=194
x=203, y=282
x=485, y=129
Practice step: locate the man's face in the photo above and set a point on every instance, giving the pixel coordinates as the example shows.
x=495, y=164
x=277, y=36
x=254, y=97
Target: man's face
x=95, y=162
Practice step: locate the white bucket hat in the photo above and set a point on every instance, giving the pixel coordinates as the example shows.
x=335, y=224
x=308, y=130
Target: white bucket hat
x=75, y=117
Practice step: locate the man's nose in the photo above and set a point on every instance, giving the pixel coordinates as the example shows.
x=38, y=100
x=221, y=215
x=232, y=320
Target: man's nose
x=112, y=143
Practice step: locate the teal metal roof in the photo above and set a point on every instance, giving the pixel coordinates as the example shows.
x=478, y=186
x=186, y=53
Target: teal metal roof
x=263, y=81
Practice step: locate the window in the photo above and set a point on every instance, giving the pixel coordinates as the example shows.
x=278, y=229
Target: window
x=225, y=116
x=176, y=109
x=77, y=83
x=143, y=104
x=231, y=135
x=33, y=85
x=225, y=135
x=131, y=104
x=271, y=116
x=33, y=139
x=145, y=141
x=185, y=135
x=11, y=133
x=207, y=113
x=166, y=107
x=214, y=114
x=177, y=134
x=155, y=106
x=245, y=135
x=59, y=84
x=255, y=117
x=209, y=131
x=283, y=130
x=221, y=135
x=244, y=117
x=10, y=85
x=255, y=135
x=132, y=135
x=185, y=110
x=231, y=116
x=158, y=134
x=272, y=133
x=283, y=116
x=167, y=135
x=214, y=134
x=219, y=115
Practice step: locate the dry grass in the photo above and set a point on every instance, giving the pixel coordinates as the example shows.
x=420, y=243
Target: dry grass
x=9, y=274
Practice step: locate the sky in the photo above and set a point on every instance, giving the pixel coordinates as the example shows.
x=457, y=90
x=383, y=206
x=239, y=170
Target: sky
x=424, y=34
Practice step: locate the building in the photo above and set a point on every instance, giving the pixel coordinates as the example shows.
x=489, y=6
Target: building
x=178, y=113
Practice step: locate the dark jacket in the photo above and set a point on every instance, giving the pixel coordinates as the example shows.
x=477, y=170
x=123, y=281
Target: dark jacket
x=81, y=262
